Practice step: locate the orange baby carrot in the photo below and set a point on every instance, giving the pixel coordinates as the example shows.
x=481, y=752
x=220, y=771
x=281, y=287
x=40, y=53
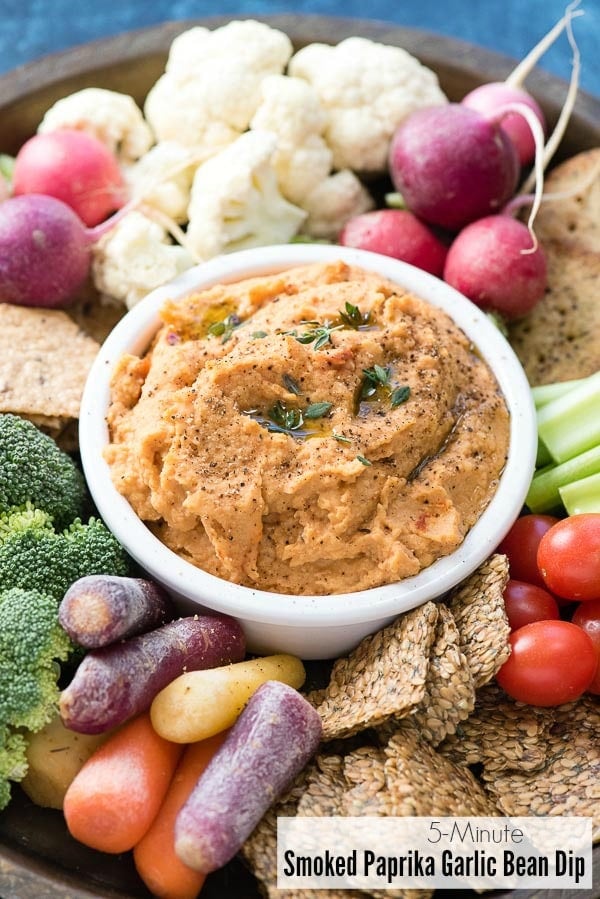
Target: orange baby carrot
x=163, y=872
x=114, y=798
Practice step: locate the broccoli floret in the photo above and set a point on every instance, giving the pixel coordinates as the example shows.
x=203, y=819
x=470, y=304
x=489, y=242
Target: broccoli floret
x=34, y=469
x=33, y=556
x=13, y=761
x=32, y=642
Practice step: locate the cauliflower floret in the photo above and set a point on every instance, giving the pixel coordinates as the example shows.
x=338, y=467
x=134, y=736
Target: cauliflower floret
x=290, y=108
x=134, y=258
x=211, y=86
x=255, y=45
x=236, y=202
x=368, y=89
x=113, y=118
x=333, y=202
x=163, y=179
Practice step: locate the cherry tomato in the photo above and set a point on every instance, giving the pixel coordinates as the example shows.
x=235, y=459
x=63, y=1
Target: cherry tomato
x=525, y=603
x=569, y=557
x=551, y=662
x=587, y=617
x=521, y=546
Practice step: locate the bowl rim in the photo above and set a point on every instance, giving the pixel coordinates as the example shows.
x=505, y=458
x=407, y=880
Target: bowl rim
x=133, y=334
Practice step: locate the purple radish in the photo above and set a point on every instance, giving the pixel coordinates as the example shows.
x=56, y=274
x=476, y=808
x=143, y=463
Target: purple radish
x=452, y=165
x=118, y=681
x=101, y=608
x=271, y=742
x=396, y=233
x=496, y=264
x=44, y=252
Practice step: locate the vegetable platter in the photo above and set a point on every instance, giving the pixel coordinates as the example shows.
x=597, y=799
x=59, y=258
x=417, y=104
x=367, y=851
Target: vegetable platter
x=38, y=858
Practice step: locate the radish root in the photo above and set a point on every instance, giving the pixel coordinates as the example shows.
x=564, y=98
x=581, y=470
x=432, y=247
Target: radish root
x=565, y=114
x=538, y=169
x=526, y=66
x=523, y=199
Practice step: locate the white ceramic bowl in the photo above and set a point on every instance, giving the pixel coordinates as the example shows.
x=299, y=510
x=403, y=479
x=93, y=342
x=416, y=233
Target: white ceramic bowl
x=313, y=627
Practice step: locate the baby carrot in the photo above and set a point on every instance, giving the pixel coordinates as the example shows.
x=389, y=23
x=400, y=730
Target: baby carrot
x=163, y=872
x=114, y=798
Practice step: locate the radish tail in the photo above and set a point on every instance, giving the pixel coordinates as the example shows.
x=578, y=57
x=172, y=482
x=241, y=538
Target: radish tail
x=565, y=114
x=526, y=66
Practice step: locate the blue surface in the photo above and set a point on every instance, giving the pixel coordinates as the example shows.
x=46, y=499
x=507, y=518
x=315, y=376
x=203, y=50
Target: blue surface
x=33, y=28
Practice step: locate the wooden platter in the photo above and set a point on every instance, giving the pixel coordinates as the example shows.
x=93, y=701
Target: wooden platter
x=38, y=858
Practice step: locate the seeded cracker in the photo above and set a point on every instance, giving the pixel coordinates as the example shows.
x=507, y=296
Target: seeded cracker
x=260, y=849
x=367, y=790
x=324, y=788
x=569, y=783
x=449, y=691
x=422, y=782
x=478, y=609
x=44, y=362
x=384, y=676
x=501, y=734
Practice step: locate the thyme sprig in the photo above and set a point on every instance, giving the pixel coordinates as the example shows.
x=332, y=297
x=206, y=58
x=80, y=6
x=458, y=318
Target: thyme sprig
x=375, y=379
x=318, y=334
x=352, y=317
x=283, y=419
x=225, y=328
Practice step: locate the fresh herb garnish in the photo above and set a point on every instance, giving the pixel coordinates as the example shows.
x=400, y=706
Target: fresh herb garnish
x=399, y=395
x=373, y=378
x=291, y=384
x=258, y=334
x=317, y=410
x=319, y=334
x=341, y=438
x=225, y=328
x=284, y=418
x=363, y=461
x=376, y=381
x=354, y=318
x=294, y=422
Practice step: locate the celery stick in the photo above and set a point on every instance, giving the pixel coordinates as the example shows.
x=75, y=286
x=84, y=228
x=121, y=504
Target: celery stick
x=545, y=490
x=570, y=424
x=582, y=496
x=545, y=393
x=543, y=456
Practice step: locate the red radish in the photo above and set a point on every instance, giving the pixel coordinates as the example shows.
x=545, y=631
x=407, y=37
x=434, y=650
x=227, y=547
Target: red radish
x=44, y=251
x=488, y=97
x=494, y=263
x=397, y=233
x=74, y=167
x=452, y=165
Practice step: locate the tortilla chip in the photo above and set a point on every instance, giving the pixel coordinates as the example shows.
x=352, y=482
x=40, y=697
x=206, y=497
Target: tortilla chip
x=569, y=782
x=478, y=609
x=384, y=676
x=44, y=362
x=501, y=734
x=423, y=782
